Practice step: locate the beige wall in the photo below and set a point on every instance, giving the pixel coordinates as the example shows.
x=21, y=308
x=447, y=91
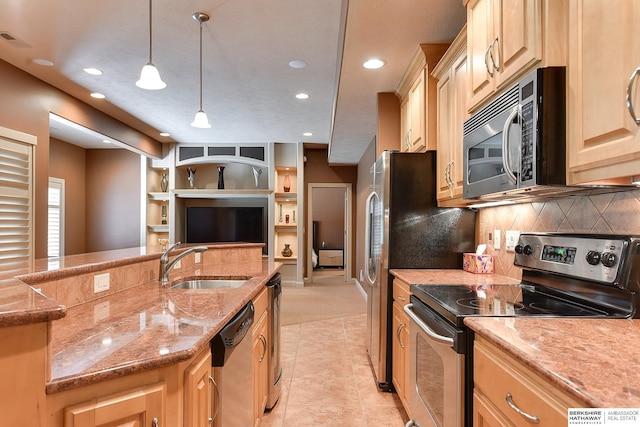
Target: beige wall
x=25, y=107
x=317, y=170
x=67, y=162
x=113, y=200
x=614, y=213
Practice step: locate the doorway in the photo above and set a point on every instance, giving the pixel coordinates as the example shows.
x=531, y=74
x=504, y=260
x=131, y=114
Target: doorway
x=329, y=223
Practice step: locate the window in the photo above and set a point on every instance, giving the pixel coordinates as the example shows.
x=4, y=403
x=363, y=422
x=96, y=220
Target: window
x=55, y=224
x=16, y=195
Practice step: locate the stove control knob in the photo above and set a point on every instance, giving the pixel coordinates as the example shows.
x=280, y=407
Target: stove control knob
x=609, y=259
x=528, y=250
x=593, y=257
x=518, y=249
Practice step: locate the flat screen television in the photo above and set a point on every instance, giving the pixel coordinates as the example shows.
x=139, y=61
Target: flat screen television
x=209, y=224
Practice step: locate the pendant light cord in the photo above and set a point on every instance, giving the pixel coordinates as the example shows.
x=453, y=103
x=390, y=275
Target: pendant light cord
x=150, y=34
x=200, y=65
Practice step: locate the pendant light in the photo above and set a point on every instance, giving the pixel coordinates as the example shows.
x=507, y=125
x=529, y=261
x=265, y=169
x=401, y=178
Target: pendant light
x=149, y=76
x=201, y=120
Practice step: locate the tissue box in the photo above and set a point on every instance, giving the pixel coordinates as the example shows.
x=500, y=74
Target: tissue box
x=477, y=263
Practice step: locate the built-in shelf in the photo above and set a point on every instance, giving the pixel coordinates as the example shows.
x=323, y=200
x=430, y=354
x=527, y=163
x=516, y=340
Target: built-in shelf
x=158, y=228
x=284, y=196
x=287, y=227
x=159, y=196
x=210, y=193
x=286, y=260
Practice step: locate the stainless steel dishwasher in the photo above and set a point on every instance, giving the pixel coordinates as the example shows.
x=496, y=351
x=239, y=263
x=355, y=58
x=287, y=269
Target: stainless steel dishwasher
x=232, y=350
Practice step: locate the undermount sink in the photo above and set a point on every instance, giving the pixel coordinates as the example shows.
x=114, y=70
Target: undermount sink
x=212, y=283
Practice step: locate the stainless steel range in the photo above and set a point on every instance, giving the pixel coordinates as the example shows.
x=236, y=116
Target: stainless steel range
x=564, y=275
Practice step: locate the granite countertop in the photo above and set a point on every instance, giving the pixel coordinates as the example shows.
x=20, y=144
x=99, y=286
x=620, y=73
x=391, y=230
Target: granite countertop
x=449, y=277
x=594, y=360
x=145, y=327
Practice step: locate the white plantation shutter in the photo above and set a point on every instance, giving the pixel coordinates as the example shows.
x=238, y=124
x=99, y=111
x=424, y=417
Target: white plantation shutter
x=16, y=196
x=55, y=223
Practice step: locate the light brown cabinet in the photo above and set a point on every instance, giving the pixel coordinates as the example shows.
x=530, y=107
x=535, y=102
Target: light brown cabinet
x=201, y=393
x=508, y=393
x=417, y=93
x=604, y=56
x=451, y=73
x=260, y=336
x=139, y=407
x=400, y=343
x=507, y=38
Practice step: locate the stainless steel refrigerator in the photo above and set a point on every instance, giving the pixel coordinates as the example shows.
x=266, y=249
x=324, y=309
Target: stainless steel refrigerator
x=405, y=229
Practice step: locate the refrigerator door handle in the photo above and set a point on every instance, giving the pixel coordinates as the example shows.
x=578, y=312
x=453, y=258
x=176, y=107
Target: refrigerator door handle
x=367, y=239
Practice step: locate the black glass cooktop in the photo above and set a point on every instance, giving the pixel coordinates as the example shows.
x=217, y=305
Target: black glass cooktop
x=455, y=302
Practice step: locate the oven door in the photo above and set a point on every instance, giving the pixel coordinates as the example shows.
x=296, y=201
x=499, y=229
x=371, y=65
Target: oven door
x=435, y=392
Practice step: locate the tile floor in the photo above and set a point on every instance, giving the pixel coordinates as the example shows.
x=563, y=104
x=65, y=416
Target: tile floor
x=327, y=380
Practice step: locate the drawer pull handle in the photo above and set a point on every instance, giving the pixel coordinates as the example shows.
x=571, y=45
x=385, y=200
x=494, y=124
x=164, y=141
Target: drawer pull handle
x=532, y=418
x=401, y=298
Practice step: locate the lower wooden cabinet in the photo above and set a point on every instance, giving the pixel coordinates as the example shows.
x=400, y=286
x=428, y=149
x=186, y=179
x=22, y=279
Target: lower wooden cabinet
x=139, y=407
x=400, y=340
x=508, y=393
x=201, y=393
x=260, y=336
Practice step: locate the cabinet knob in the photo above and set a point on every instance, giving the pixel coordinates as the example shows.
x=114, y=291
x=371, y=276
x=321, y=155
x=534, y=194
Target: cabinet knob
x=155, y=422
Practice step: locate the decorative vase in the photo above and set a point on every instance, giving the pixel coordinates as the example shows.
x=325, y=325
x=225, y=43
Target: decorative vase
x=286, y=218
x=256, y=175
x=280, y=218
x=191, y=175
x=286, y=184
x=164, y=183
x=220, y=177
x=164, y=214
x=286, y=252
x=293, y=218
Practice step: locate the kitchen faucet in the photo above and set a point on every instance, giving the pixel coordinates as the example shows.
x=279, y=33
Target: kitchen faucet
x=166, y=266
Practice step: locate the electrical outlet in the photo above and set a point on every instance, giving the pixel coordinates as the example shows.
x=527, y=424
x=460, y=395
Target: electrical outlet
x=511, y=239
x=496, y=239
x=197, y=257
x=100, y=283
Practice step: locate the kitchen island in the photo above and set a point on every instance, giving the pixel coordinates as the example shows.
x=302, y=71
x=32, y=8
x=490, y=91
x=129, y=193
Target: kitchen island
x=72, y=342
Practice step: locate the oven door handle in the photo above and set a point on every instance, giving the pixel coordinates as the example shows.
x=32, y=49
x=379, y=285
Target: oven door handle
x=437, y=337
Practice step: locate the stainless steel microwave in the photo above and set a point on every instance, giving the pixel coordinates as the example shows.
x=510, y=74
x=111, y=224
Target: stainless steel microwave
x=515, y=146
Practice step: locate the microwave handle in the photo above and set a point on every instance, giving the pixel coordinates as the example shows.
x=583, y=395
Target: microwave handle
x=629, y=96
x=505, y=144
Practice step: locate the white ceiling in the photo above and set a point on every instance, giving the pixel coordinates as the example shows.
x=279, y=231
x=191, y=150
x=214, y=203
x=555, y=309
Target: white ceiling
x=248, y=87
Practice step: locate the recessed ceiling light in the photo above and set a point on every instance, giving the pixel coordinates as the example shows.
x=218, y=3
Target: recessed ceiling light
x=302, y=96
x=297, y=64
x=165, y=134
x=43, y=62
x=106, y=141
x=97, y=95
x=307, y=134
x=373, y=64
x=92, y=71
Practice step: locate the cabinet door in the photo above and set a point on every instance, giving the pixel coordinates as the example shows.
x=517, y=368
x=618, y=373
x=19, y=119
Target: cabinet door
x=405, y=124
x=417, y=114
x=459, y=114
x=198, y=393
x=519, y=31
x=445, y=130
x=485, y=414
x=260, y=367
x=141, y=407
x=400, y=338
x=480, y=34
x=603, y=54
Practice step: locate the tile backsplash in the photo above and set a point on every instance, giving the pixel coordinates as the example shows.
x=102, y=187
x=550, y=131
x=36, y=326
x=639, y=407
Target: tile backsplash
x=613, y=213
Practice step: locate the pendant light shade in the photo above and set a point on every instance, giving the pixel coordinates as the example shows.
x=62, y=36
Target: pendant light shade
x=200, y=120
x=149, y=76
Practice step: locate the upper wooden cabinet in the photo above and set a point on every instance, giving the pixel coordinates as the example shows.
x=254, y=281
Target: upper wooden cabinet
x=417, y=93
x=604, y=56
x=506, y=38
x=451, y=73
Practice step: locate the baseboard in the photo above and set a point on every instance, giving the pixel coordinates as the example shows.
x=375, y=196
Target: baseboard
x=361, y=289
